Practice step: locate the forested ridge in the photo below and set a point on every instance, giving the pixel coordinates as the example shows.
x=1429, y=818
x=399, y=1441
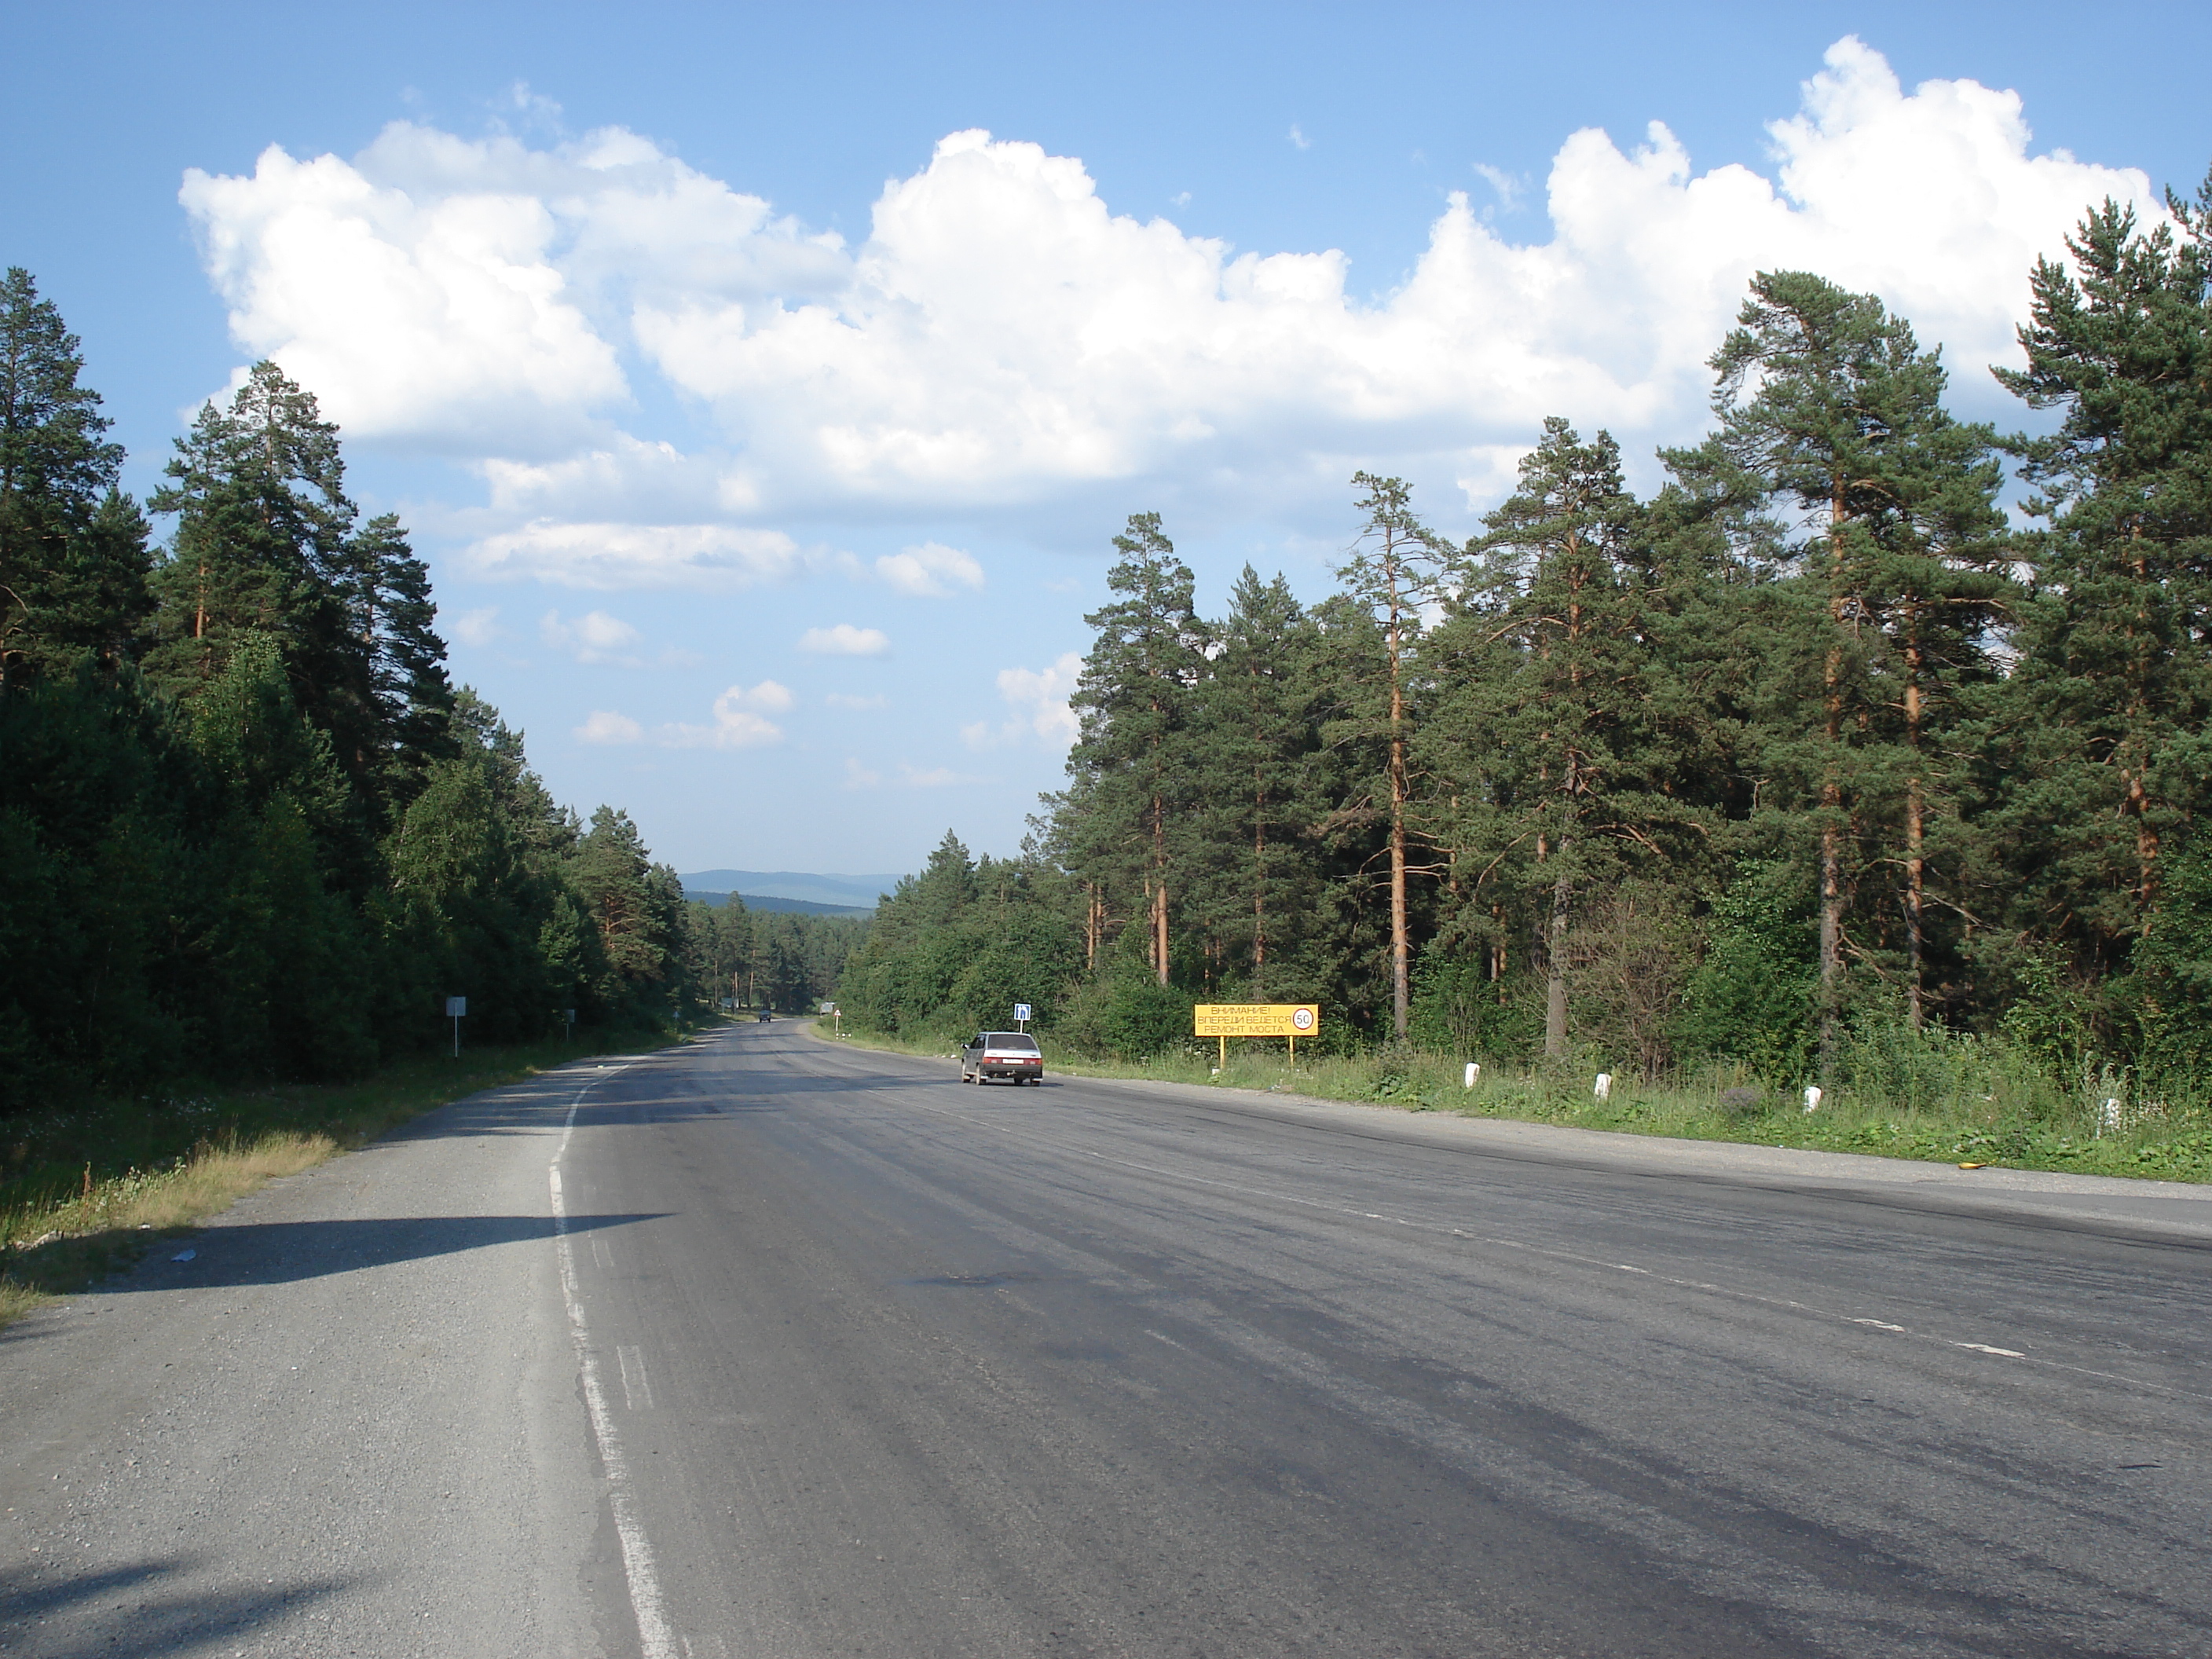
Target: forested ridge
x=248, y=827
x=1815, y=763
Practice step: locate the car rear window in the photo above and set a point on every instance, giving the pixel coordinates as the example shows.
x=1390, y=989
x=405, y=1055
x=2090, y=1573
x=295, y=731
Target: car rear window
x=1020, y=1040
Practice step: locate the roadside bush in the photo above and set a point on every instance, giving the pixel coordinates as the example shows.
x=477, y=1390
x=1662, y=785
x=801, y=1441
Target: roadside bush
x=1751, y=999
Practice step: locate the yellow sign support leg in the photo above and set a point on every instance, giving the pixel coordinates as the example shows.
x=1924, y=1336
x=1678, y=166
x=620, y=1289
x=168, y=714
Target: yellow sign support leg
x=1223, y=1042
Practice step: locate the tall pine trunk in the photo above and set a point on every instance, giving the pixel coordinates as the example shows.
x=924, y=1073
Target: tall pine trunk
x=1399, y=1000
x=1159, y=885
x=2138, y=724
x=1916, y=814
x=1832, y=803
x=1555, y=989
x=1555, y=944
x=1259, y=875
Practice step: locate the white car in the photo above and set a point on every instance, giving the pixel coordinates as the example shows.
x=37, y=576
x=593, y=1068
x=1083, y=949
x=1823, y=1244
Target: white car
x=1001, y=1054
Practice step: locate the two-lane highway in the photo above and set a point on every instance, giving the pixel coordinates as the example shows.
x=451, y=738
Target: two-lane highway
x=805, y=1350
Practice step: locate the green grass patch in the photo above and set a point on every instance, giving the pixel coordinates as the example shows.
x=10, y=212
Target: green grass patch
x=88, y=1190
x=1973, y=1105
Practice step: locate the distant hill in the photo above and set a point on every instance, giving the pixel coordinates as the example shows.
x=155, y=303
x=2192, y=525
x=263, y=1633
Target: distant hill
x=813, y=894
x=770, y=902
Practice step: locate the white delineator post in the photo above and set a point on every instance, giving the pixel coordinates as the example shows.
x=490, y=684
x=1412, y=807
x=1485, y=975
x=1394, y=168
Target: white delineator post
x=1604, y=1089
x=1811, y=1096
x=1473, y=1072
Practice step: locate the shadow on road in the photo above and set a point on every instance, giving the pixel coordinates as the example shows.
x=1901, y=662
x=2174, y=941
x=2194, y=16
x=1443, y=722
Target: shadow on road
x=135, y=1610
x=283, y=1252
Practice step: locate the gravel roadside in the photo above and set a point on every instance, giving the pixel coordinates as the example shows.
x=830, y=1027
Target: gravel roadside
x=342, y=1419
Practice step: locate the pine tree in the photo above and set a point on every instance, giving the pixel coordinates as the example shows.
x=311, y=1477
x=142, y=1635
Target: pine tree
x=1133, y=765
x=1257, y=731
x=394, y=616
x=279, y=934
x=1833, y=435
x=264, y=544
x=2114, y=689
x=1394, y=571
x=637, y=907
x=73, y=556
x=1544, y=739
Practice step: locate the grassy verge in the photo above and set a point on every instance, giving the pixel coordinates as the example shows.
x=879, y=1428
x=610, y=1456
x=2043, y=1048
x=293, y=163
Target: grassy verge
x=2023, y=1129
x=94, y=1189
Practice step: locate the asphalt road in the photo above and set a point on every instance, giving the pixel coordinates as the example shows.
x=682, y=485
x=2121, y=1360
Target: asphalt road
x=766, y=1347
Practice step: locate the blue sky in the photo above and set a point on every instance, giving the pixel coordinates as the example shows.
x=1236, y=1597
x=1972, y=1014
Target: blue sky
x=765, y=424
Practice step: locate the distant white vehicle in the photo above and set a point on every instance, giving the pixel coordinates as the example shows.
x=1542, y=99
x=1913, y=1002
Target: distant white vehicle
x=1011, y=1054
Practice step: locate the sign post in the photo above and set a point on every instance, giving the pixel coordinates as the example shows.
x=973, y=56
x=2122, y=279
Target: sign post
x=455, y=1008
x=1022, y=1015
x=1224, y=1020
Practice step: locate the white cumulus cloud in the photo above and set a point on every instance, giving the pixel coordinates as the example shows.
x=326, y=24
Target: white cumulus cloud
x=910, y=776
x=604, y=726
x=1038, y=698
x=477, y=627
x=1003, y=340
x=740, y=721
x=592, y=637
x=1006, y=334
x=930, y=571
x=845, y=640
x=607, y=556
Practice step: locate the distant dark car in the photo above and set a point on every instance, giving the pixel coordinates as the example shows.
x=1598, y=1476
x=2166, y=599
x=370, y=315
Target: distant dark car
x=1001, y=1054
x=765, y=1016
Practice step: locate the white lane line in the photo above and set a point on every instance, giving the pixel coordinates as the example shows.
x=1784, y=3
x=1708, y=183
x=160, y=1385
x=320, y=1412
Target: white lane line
x=637, y=1392
x=1812, y=1310
x=654, y=1638
x=1727, y=1291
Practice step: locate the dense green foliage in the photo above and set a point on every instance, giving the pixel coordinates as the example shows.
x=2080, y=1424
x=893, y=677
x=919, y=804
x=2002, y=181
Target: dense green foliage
x=249, y=828
x=1814, y=765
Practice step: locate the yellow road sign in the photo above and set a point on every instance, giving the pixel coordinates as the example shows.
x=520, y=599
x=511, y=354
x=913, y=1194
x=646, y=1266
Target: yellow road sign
x=1257, y=1019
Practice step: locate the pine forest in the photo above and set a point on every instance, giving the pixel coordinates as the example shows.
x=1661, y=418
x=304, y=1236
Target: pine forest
x=1871, y=746
x=250, y=830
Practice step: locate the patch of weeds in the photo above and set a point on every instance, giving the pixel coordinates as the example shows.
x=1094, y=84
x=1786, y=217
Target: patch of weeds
x=1395, y=1085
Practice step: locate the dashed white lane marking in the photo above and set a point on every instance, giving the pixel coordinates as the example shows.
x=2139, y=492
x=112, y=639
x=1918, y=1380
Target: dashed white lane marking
x=637, y=1391
x=654, y=1638
x=1728, y=1291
